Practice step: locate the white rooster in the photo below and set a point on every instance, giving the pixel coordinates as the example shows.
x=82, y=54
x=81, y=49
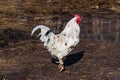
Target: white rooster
x=60, y=45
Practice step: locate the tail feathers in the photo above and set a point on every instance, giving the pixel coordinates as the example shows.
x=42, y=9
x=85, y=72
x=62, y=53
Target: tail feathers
x=45, y=33
x=42, y=27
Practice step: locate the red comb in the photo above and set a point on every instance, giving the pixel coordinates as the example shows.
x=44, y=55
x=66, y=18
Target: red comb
x=76, y=15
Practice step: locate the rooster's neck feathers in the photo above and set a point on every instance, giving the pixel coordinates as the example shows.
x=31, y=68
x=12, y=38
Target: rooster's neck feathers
x=72, y=26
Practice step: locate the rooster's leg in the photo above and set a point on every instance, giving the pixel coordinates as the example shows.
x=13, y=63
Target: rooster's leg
x=61, y=65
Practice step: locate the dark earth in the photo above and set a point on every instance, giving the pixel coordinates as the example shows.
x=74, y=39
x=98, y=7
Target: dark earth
x=23, y=57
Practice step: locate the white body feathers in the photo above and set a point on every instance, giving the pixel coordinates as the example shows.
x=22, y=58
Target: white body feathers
x=61, y=44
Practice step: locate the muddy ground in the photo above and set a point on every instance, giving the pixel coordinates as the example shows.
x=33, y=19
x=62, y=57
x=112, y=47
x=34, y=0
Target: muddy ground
x=23, y=57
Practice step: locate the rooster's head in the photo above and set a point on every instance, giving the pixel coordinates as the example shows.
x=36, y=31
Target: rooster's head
x=78, y=18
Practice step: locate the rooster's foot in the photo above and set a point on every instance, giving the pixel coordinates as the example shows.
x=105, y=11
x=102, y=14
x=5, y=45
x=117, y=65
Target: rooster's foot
x=61, y=67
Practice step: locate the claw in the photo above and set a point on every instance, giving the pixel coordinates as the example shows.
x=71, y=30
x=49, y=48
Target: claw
x=61, y=67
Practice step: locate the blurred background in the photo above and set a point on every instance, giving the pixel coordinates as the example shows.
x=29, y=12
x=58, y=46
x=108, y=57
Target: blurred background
x=100, y=18
x=22, y=58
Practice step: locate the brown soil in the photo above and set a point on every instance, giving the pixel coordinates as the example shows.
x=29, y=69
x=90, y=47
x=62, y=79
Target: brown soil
x=23, y=57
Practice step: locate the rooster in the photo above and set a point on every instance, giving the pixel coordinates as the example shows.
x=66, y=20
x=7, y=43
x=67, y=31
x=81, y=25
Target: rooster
x=60, y=45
